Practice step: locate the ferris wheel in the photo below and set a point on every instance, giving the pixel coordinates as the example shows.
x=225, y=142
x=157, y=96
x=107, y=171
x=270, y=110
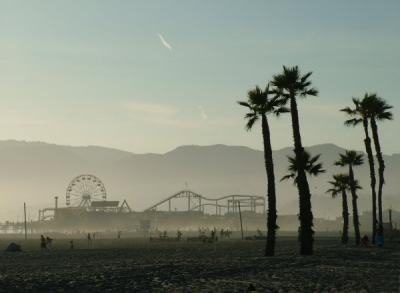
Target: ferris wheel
x=84, y=189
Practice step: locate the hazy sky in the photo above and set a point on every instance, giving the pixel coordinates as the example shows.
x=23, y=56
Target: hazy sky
x=147, y=76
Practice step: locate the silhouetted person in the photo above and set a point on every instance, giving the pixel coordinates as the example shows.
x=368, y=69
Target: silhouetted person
x=179, y=235
x=379, y=238
x=89, y=238
x=71, y=244
x=49, y=242
x=365, y=241
x=42, y=243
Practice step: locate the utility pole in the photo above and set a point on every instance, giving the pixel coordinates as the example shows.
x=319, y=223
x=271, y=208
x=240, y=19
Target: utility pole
x=26, y=235
x=240, y=216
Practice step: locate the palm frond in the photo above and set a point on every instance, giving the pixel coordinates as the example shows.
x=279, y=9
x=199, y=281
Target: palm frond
x=244, y=104
x=252, y=118
x=353, y=122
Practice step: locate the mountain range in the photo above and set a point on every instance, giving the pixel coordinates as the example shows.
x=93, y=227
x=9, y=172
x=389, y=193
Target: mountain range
x=35, y=172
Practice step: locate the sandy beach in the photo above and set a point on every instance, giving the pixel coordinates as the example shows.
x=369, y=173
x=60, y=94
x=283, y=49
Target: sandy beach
x=227, y=266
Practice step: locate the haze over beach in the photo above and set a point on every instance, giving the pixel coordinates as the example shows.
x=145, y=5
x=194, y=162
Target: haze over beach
x=199, y=146
x=41, y=171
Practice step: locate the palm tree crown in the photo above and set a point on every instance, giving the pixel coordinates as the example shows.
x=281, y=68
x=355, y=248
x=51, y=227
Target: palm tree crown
x=350, y=158
x=378, y=108
x=290, y=83
x=312, y=166
x=339, y=183
x=259, y=103
x=371, y=106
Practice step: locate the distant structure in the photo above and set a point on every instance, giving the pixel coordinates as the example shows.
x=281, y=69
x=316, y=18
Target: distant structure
x=87, y=208
x=84, y=189
x=85, y=194
x=225, y=204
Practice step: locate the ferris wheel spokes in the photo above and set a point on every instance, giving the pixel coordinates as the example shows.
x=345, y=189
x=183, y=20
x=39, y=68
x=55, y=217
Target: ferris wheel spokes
x=84, y=189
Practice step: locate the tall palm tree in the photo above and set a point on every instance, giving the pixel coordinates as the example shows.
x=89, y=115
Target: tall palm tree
x=339, y=186
x=378, y=110
x=352, y=159
x=289, y=86
x=260, y=105
x=313, y=167
x=359, y=115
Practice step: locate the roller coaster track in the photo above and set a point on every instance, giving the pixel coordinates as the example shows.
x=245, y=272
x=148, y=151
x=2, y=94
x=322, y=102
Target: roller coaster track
x=229, y=202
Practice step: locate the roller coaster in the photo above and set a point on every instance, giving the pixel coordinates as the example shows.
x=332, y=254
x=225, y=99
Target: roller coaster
x=197, y=202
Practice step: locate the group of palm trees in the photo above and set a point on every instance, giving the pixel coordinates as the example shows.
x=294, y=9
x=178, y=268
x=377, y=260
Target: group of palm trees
x=281, y=96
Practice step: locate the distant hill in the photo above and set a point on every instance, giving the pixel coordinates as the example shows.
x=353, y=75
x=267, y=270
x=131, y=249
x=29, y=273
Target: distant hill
x=35, y=172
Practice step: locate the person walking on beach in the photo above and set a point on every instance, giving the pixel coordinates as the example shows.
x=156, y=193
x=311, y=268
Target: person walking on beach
x=89, y=239
x=179, y=235
x=42, y=243
x=49, y=242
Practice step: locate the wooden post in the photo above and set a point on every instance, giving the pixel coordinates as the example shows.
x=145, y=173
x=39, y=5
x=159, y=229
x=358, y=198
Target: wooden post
x=26, y=235
x=241, y=222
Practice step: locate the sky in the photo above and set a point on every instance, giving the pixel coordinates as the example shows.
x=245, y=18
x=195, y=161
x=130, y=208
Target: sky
x=148, y=76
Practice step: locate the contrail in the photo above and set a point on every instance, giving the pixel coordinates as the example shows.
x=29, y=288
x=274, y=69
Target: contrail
x=164, y=42
x=203, y=113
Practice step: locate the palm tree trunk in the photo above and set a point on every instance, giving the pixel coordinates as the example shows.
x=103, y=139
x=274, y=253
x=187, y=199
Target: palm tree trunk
x=269, y=167
x=381, y=168
x=345, y=214
x=306, y=217
x=356, y=221
x=368, y=148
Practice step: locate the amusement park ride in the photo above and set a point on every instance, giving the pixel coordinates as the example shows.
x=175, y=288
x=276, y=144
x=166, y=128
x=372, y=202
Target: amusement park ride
x=198, y=202
x=84, y=189
x=87, y=193
x=87, y=205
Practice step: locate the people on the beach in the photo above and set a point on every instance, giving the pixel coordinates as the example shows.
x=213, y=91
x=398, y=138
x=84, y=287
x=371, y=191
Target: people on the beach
x=49, y=242
x=42, y=243
x=365, y=241
x=213, y=234
x=179, y=235
x=379, y=238
x=89, y=239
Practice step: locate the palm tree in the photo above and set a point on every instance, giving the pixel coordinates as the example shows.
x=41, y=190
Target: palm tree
x=313, y=167
x=340, y=185
x=359, y=115
x=378, y=110
x=352, y=159
x=260, y=105
x=290, y=85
